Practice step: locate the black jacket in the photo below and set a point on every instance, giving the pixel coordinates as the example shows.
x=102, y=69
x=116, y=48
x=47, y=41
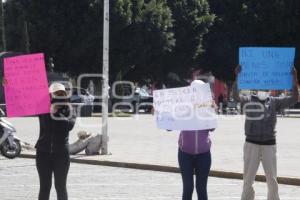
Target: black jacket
x=261, y=117
x=54, y=131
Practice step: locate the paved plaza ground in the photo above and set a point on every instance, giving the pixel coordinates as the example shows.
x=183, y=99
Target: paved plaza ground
x=137, y=140
x=19, y=180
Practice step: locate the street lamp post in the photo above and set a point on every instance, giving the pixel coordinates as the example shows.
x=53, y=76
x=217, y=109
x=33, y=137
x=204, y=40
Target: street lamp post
x=105, y=73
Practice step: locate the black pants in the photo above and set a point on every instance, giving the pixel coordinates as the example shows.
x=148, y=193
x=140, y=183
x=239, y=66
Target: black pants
x=58, y=164
x=200, y=164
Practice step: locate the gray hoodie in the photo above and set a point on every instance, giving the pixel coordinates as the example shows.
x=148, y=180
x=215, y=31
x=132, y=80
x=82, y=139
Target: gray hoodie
x=261, y=117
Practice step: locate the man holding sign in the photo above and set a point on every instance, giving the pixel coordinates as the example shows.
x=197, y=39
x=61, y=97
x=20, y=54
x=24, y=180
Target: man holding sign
x=191, y=110
x=260, y=110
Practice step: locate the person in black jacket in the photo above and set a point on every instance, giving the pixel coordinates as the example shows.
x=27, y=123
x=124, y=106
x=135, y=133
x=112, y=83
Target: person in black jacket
x=52, y=147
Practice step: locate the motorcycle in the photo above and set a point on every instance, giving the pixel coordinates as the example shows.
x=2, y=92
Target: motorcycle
x=10, y=146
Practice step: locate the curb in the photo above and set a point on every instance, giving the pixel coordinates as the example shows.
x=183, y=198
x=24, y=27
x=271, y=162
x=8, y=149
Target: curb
x=213, y=173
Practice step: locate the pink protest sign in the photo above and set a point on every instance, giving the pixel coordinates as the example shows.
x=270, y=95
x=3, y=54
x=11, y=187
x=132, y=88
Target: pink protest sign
x=26, y=88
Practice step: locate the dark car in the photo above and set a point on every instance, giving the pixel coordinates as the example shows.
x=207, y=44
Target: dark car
x=128, y=101
x=139, y=100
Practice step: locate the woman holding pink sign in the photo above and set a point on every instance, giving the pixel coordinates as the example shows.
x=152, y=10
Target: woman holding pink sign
x=52, y=148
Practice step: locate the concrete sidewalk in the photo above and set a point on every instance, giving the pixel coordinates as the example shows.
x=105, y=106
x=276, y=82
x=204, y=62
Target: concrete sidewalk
x=136, y=140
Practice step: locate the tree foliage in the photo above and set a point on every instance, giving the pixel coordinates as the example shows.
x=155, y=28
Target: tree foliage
x=192, y=20
x=71, y=32
x=149, y=38
x=144, y=41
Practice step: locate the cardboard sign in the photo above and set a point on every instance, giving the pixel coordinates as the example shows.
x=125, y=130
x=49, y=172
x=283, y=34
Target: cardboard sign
x=185, y=108
x=26, y=88
x=266, y=68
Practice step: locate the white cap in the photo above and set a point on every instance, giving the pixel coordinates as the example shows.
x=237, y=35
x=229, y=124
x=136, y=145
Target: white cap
x=54, y=87
x=197, y=82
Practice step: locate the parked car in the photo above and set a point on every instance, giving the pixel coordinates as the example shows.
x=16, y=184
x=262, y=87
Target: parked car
x=127, y=101
x=139, y=100
x=82, y=98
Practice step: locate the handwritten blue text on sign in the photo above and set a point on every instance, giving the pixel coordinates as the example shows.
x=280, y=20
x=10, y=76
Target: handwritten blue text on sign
x=266, y=68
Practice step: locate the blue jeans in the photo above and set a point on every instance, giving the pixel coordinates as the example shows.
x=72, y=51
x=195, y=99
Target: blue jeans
x=200, y=164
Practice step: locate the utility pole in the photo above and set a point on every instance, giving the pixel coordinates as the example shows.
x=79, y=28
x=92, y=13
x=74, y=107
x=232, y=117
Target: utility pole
x=105, y=73
x=3, y=27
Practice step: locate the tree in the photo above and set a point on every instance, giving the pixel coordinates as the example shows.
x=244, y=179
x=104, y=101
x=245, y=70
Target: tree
x=192, y=20
x=152, y=37
x=70, y=32
x=145, y=41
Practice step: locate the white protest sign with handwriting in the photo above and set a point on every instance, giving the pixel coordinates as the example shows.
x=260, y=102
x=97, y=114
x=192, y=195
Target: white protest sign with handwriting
x=185, y=108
